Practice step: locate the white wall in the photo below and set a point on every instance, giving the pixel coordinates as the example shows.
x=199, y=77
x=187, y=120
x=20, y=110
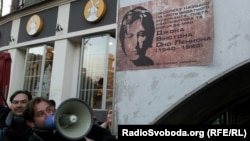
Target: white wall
x=143, y=96
x=65, y=71
x=17, y=71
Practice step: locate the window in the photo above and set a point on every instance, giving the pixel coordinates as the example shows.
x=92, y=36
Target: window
x=38, y=68
x=96, y=83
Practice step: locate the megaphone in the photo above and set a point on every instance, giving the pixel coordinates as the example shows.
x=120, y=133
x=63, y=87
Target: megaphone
x=73, y=119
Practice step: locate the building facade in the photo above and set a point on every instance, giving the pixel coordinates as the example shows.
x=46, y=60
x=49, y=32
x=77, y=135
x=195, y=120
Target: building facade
x=60, y=50
x=32, y=33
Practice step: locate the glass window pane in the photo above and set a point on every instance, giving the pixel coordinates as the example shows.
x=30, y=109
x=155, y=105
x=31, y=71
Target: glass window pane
x=110, y=73
x=47, y=72
x=38, y=70
x=33, y=69
x=97, y=71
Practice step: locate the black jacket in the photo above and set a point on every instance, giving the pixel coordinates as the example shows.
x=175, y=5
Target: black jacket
x=97, y=133
x=15, y=129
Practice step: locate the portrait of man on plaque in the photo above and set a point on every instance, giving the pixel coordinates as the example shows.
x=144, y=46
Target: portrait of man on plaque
x=163, y=34
x=136, y=35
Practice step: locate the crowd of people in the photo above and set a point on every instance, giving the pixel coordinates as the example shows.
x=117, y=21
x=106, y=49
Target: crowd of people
x=26, y=119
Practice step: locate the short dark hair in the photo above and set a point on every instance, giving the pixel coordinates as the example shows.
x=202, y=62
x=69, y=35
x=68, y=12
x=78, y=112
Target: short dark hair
x=52, y=102
x=29, y=112
x=146, y=18
x=27, y=93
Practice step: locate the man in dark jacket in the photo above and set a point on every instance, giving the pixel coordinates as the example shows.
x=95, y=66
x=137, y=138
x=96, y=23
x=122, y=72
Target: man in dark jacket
x=15, y=127
x=39, y=109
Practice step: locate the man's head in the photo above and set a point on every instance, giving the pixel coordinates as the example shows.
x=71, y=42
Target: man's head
x=136, y=32
x=109, y=116
x=52, y=104
x=19, y=100
x=37, y=111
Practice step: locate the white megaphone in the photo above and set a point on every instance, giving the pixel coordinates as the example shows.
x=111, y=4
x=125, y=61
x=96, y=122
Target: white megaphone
x=73, y=119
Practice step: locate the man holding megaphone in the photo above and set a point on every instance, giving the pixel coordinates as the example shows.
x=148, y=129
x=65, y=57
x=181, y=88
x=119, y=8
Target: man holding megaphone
x=73, y=120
